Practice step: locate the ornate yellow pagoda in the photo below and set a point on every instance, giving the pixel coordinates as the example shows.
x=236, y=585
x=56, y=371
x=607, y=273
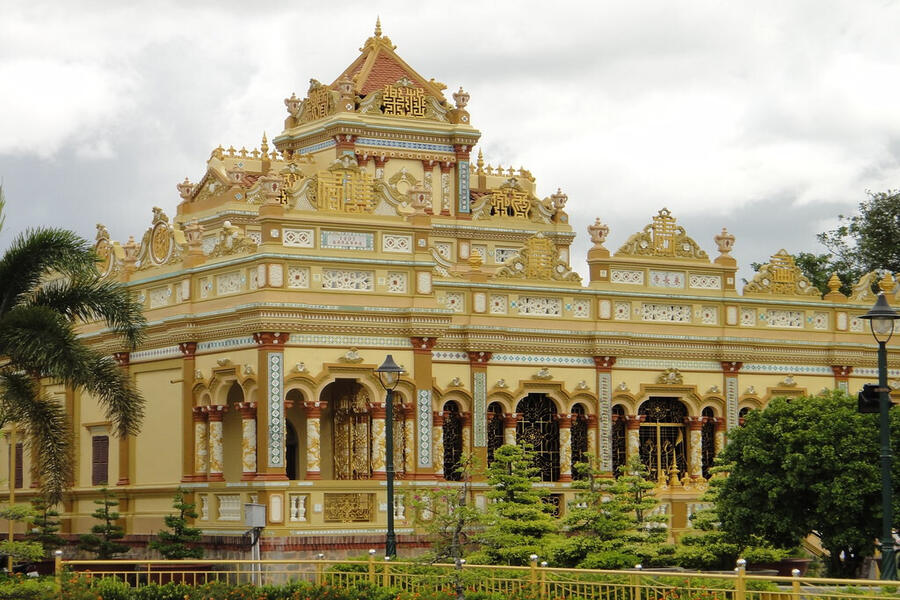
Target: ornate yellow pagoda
x=369, y=226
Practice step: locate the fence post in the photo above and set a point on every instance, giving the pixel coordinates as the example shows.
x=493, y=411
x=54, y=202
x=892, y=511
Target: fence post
x=740, y=584
x=543, y=579
x=636, y=581
x=386, y=580
x=795, y=584
x=57, y=571
x=319, y=567
x=372, y=566
x=532, y=574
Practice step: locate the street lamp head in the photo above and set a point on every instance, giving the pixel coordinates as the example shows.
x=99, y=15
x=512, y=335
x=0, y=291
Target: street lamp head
x=881, y=319
x=389, y=373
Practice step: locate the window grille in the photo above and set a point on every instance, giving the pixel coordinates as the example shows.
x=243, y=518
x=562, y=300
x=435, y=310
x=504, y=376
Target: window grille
x=538, y=428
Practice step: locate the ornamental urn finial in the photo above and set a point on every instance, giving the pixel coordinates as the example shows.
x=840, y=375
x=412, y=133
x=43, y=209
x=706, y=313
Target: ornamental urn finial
x=834, y=283
x=185, y=188
x=725, y=242
x=598, y=232
x=461, y=98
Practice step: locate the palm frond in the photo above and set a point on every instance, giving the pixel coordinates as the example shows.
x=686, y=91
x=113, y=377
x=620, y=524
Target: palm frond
x=48, y=428
x=88, y=297
x=35, y=253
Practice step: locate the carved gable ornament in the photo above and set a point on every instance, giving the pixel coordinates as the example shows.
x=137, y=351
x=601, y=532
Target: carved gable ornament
x=670, y=377
x=663, y=238
x=781, y=276
x=511, y=201
x=539, y=259
x=404, y=99
x=344, y=187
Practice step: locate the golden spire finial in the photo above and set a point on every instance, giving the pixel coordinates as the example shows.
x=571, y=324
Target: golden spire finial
x=378, y=26
x=834, y=282
x=480, y=162
x=264, y=146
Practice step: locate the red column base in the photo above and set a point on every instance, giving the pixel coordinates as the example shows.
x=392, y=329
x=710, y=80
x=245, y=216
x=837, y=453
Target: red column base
x=565, y=478
x=379, y=475
x=191, y=478
x=313, y=475
x=270, y=477
x=216, y=477
x=248, y=475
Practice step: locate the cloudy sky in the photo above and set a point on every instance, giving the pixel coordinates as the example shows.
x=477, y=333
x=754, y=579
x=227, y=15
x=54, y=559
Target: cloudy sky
x=768, y=118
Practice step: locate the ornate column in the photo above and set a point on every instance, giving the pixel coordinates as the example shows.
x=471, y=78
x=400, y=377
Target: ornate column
x=446, y=198
x=380, y=161
x=720, y=434
x=695, y=441
x=465, y=422
x=248, y=440
x=188, y=440
x=422, y=375
x=313, y=439
x=201, y=444
x=633, y=435
x=270, y=424
x=478, y=362
x=463, y=210
x=592, y=422
x=123, y=359
x=603, y=365
x=565, y=447
x=509, y=428
x=215, y=413
x=405, y=460
x=437, y=428
x=378, y=411
x=842, y=377
x=730, y=372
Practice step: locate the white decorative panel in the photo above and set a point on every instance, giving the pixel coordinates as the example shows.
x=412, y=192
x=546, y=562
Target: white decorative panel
x=256, y=236
x=604, y=307
x=347, y=240
x=464, y=250
x=581, y=309
x=623, y=311
x=455, y=301
x=396, y=282
x=748, y=317
x=731, y=315
x=209, y=242
x=298, y=277
x=298, y=506
x=627, y=276
x=501, y=255
x=479, y=302
x=539, y=305
x=229, y=508
x=186, y=289
x=254, y=277
x=667, y=279
x=856, y=324
x=784, y=318
x=160, y=296
x=820, y=320
x=396, y=243
x=340, y=279
x=276, y=275
x=299, y=238
x=444, y=249
x=423, y=282
x=498, y=304
x=705, y=282
x=229, y=283
x=674, y=313
x=841, y=321
x=709, y=315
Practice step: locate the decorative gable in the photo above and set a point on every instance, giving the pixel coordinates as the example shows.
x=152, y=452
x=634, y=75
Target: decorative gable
x=663, y=238
x=781, y=276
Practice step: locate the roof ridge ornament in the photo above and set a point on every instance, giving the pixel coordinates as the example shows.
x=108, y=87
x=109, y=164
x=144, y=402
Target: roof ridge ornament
x=662, y=238
x=781, y=276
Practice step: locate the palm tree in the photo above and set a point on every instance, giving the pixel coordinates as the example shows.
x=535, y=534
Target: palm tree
x=49, y=283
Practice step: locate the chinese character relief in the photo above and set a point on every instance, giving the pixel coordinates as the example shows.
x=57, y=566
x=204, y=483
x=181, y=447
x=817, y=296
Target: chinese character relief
x=662, y=238
x=780, y=276
x=510, y=200
x=539, y=259
x=345, y=187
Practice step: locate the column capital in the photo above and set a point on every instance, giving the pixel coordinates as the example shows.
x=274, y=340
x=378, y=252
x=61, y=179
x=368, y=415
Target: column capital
x=694, y=423
x=199, y=414
x=634, y=421
x=378, y=410
x=510, y=420
x=462, y=151
x=270, y=339
x=423, y=345
x=247, y=409
x=604, y=363
x=730, y=366
x=123, y=359
x=465, y=418
x=314, y=409
x=564, y=420
x=188, y=349
x=215, y=412
x=380, y=161
x=437, y=419
x=841, y=371
x=592, y=421
x=720, y=423
x=479, y=358
x=446, y=166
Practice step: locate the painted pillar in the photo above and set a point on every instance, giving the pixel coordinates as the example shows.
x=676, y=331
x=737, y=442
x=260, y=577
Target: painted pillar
x=446, y=196
x=427, y=183
x=405, y=460
x=463, y=209
x=565, y=447
x=695, y=441
x=313, y=438
x=465, y=421
x=215, y=413
x=188, y=441
x=201, y=444
x=270, y=421
x=603, y=365
x=730, y=371
x=478, y=363
x=592, y=422
x=842, y=377
x=437, y=421
x=123, y=359
x=248, y=440
x=422, y=376
x=378, y=411
x=720, y=434
x=509, y=428
x=633, y=435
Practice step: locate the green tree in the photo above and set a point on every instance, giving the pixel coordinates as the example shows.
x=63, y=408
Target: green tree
x=868, y=240
x=519, y=522
x=102, y=539
x=181, y=539
x=45, y=524
x=801, y=466
x=20, y=551
x=646, y=538
x=48, y=283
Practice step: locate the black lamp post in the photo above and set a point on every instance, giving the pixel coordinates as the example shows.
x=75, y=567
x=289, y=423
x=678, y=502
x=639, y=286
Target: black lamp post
x=881, y=319
x=389, y=376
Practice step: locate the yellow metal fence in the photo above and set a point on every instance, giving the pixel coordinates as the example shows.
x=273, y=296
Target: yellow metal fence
x=533, y=581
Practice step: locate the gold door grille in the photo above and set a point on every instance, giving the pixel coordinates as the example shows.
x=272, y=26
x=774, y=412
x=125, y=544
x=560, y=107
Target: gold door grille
x=352, y=436
x=708, y=441
x=662, y=436
x=618, y=438
x=579, y=439
x=452, y=441
x=539, y=429
x=348, y=508
x=495, y=429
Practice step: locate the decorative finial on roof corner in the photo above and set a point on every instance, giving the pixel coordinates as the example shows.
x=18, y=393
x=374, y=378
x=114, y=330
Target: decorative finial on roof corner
x=264, y=146
x=480, y=162
x=378, y=26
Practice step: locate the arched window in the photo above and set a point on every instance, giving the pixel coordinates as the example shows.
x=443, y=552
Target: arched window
x=494, y=429
x=352, y=429
x=579, y=439
x=539, y=429
x=233, y=435
x=291, y=452
x=618, y=438
x=663, y=438
x=452, y=441
x=743, y=413
x=708, y=438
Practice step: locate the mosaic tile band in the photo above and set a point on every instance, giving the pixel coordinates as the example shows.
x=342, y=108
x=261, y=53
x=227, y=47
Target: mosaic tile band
x=275, y=412
x=479, y=419
x=423, y=416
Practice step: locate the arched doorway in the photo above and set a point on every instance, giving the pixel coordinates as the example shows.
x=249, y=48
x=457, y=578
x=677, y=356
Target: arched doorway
x=291, y=452
x=295, y=435
x=538, y=428
x=350, y=426
x=708, y=440
x=452, y=432
x=663, y=438
x=233, y=435
x=618, y=439
x=494, y=429
x=579, y=431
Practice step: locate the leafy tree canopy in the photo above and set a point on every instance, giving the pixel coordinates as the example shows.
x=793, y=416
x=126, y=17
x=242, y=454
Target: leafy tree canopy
x=180, y=541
